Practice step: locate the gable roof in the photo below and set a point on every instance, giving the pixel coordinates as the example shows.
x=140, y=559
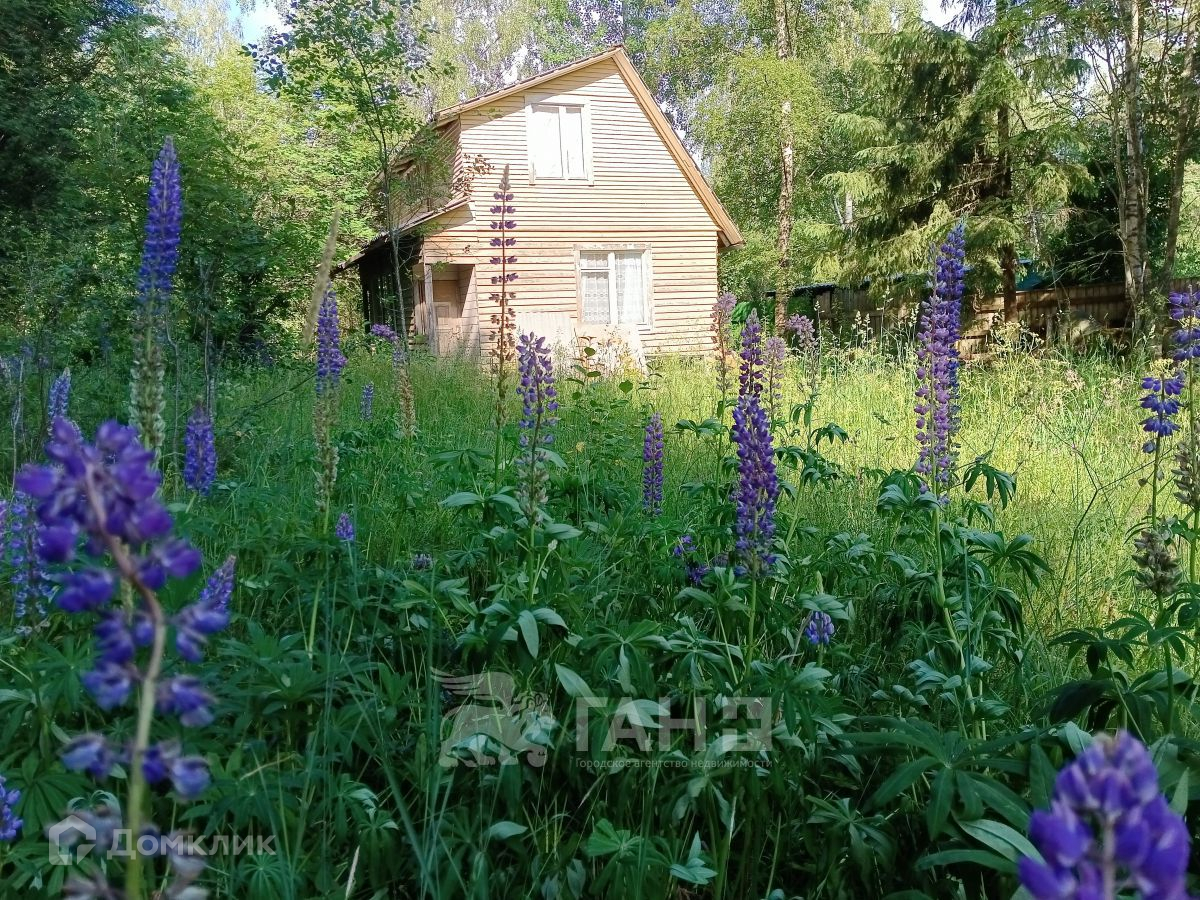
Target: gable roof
x=727, y=230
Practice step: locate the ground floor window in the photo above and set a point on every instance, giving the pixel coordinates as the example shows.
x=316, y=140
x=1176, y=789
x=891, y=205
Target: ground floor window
x=613, y=287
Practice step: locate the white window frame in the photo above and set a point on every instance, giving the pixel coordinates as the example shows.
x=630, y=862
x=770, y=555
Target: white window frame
x=647, y=284
x=532, y=100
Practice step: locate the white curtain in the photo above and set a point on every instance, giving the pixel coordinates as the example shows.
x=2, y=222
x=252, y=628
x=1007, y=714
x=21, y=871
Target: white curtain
x=631, y=303
x=595, y=297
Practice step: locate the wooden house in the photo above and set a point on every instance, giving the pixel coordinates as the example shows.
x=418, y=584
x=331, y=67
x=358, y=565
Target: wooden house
x=617, y=232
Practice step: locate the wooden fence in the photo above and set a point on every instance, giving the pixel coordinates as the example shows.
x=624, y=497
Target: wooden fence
x=1063, y=313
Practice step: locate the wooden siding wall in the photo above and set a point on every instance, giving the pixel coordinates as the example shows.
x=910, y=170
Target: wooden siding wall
x=637, y=196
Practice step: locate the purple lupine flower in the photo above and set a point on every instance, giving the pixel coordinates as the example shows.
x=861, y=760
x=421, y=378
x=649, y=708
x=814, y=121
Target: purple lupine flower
x=106, y=494
x=60, y=398
x=819, y=630
x=366, y=406
x=937, y=365
x=776, y=352
x=685, y=549
x=344, y=530
x=383, y=331
x=752, y=371
x=208, y=615
x=20, y=556
x=757, y=488
x=401, y=380
x=422, y=561
x=330, y=363
x=1109, y=831
x=536, y=389
x=160, y=253
x=199, y=452
x=539, y=403
x=1162, y=401
x=1185, y=310
x=503, y=242
x=803, y=332
x=10, y=824
x=90, y=753
x=652, y=458
x=330, y=360
x=184, y=696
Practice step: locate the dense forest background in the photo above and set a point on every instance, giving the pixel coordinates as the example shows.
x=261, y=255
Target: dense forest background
x=843, y=135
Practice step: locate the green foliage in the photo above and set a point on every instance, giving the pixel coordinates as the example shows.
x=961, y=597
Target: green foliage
x=953, y=127
x=974, y=641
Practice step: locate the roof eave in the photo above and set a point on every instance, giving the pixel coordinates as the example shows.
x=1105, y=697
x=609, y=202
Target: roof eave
x=401, y=231
x=450, y=113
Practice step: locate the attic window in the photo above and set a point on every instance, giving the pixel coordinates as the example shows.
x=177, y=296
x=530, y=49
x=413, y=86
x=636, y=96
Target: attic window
x=557, y=143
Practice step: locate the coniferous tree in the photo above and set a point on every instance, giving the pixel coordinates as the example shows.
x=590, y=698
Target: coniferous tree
x=960, y=129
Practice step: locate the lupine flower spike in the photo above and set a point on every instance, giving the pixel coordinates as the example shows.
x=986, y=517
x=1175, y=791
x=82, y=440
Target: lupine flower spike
x=757, y=489
x=29, y=578
x=199, y=452
x=652, y=472
x=60, y=398
x=776, y=352
x=803, y=332
x=539, y=403
x=330, y=360
x=207, y=616
x=344, y=530
x=366, y=406
x=330, y=363
x=160, y=255
x=10, y=823
x=1162, y=400
x=1109, y=832
x=685, y=549
x=819, y=630
x=1185, y=313
x=937, y=366
x=98, y=508
x=722, y=324
x=504, y=318
x=804, y=338
x=401, y=382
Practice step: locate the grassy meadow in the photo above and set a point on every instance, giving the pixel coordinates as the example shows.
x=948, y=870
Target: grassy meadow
x=332, y=699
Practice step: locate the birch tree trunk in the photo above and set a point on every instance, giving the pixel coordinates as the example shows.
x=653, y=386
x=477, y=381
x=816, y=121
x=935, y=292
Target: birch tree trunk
x=1185, y=124
x=1132, y=179
x=787, y=159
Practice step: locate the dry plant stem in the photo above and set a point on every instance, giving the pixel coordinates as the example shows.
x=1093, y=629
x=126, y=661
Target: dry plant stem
x=145, y=713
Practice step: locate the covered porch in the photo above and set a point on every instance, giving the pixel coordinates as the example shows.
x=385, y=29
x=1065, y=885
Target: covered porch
x=437, y=299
